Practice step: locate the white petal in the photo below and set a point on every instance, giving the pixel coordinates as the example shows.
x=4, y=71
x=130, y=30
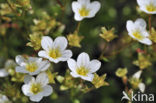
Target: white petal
x=137, y=74
x=4, y=99
x=34, y=59
x=19, y=60
x=146, y=41
x=27, y=79
x=94, y=65
x=83, y=59
x=36, y=98
x=142, y=87
x=10, y=63
x=72, y=65
x=46, y=42
x=94, y=7
x=21, y=69
x=47, y=90
x=42, y=78
x=130, y=25
x=89, y=77
x=43, y=54
x=26, y=89
x=60, y=42
x=142, y=2
x=84, y=2
x=44, y=65
x=34, y=73
x=141, y=22
x=145, y=33
x=73, y=74
x=67, y=54
x=154, y=12
x=77, y=17
x=54, y=60
x=3, y=73
x=75, y=6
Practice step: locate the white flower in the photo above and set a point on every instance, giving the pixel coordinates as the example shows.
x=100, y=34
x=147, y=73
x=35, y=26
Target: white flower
x=141, y=86
x=55, y=50
x=37, y=88
x=4, y=99
x=85, y=9
x=3, y=73
x=32, y=65
x=9, y=64
x=137, y=30
x=83, y=68
x=148, y=6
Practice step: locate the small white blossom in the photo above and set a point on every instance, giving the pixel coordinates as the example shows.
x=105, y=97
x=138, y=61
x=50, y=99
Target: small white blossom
x=37, y=88
x=148, y=6
x=55, y=50
x=85, y=9
x=32, y=65
x=3, y=72
x=9, y=64
x=141, y=85
x=137, y=30
x=83, y=68
x=4, y=99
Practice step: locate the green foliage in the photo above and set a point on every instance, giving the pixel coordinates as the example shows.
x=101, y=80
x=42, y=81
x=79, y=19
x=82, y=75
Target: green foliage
x=23, y=23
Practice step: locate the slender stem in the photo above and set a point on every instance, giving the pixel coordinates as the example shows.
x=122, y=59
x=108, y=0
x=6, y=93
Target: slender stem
x=61, y=5
x=78, y=27
x=149, y=23
x=123, y=48
x=145, y=48
x=103, y=51
x=10, y=5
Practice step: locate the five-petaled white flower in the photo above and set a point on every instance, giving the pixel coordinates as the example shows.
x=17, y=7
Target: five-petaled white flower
x=141, y=85
x=37, y=88
x=32, y=65
x=83, y=68
x=85, y=9
x=55, y=50
x=137, y=30
x=148, y=6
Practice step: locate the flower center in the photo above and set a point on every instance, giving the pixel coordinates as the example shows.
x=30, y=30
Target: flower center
x=84, y=11
x=137, y=35
x=36, y=88
x=54, y=53
x=82, y=71
x=151, y=7
x=31, y=67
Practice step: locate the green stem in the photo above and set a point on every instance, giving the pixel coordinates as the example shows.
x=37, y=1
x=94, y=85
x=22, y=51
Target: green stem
x=104, y=49
x=77, y=28
x=10, y=5
x=117, y=52
x=149, y=23
x=61, y=5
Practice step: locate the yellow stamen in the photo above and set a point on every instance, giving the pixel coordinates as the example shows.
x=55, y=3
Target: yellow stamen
x=151, y=7
x=82, y=71
x=84, y=11
x=137, y=35
x=54, y=53
x=31, y=67
x=36, y=88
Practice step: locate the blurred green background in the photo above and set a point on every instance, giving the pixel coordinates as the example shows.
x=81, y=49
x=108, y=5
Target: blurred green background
x=113, y=13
